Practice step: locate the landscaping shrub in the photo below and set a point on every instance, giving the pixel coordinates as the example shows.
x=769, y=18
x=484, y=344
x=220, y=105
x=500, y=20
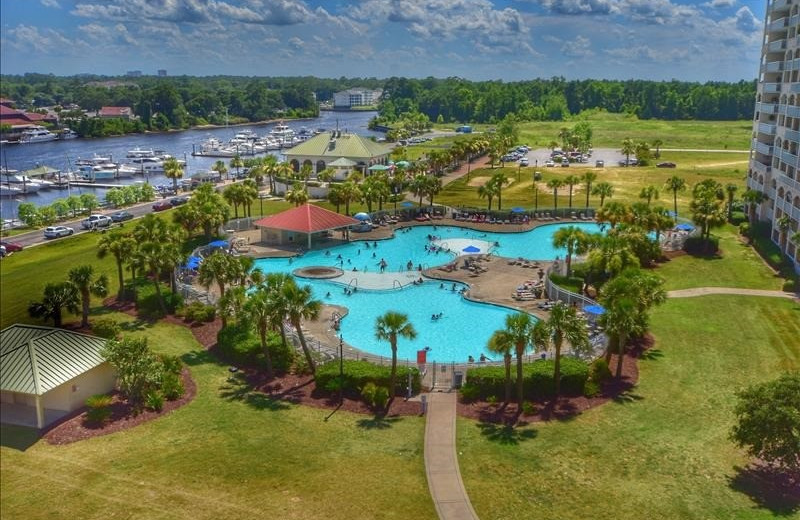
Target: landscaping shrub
x=172, y=386
x=380, y=397
x=599, y=371
x=738, y=217
x=239, y=345
x=528, y=408
x=469, y=392
x=357, y=374
x=791, y=285
x=147, y=304
x=154, y=401
x=106, y=328
x=198, y=312
x=744, y=229
x=537, y=378
x=591, y=388
x=99, y=409
x=368, y=393
x=701, y=246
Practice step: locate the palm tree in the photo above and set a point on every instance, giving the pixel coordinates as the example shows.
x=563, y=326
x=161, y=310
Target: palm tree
x=603, y=190
x=300, y=305
x=500, y=343
x=574, y=239
x=783, y=224
x=233, y=194
x=216, y=268
x=221, y=168
x=488, y=192
x=675, y=184
x=565, y=324
x=119, y=245
x=554, y=184
x=419, y=186
x=706, y=206
x=649, y=193
x=82, y=277
x=259, y=309
x=387, y=328
x=611, y=255
x=614, y=213
x=571, y=181
x=753, y=198
x=173, y=170
x=657, y=145
x=236, y=162
x=588, y=179
x=57, y=296
x=628, y=148
x=620, y=321
x=518, y=328
x=730, y=189
x=297, y=195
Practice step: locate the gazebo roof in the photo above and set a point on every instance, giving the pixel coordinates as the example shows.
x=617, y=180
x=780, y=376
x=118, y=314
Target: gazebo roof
x=351, y=146
x=342, y=162
x=307, y=219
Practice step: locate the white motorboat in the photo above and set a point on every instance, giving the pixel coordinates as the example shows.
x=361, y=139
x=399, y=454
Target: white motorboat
x=281, y=131
x=23, y=182
x=95, y=159
x=98, y=172
x=37, y=135
x=10, y=191
x=67, y=133
x=139, y=152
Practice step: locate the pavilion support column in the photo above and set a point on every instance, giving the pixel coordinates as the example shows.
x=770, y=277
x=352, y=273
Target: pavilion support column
x=39, y=412
x=309, y=241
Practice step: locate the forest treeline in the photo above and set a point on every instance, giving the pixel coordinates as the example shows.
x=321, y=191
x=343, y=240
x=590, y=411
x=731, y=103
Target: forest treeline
x=458, y=100
x=184, y=101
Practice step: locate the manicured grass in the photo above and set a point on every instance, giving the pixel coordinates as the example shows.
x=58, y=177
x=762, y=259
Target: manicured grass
x=738, y=265
x=660, y=452
x=229, y=453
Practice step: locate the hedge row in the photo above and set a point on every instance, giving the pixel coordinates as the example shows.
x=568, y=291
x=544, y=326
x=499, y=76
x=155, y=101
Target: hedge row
x=239, y=345
x=358, y=373
x=537, y=379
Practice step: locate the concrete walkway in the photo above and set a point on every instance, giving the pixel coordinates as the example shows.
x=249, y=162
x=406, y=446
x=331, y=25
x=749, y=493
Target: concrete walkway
x=441, y=460
x=702, y=291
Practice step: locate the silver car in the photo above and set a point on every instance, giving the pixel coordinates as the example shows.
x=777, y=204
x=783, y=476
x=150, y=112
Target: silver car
x=57, y=231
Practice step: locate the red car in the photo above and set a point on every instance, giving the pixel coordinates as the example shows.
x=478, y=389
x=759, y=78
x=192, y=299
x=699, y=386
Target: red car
x=161, y=205
x=11, y=247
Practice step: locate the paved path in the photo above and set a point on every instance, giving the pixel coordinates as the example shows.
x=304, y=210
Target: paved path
x=702, y=291
x=441, y=460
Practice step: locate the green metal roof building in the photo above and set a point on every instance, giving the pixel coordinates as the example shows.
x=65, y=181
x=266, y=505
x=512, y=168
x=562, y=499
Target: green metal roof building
x=327, y=148
x=46, y=373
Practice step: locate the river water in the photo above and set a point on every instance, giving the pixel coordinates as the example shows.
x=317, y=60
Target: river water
x=62, y=154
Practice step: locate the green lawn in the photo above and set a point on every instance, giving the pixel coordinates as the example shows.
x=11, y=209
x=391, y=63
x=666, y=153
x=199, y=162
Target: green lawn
x=230, y=453
x=661, y=451
x=738, y=265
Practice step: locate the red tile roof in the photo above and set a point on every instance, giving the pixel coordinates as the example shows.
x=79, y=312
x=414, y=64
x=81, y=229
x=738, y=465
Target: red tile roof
x=114, y=111
x=306, y=219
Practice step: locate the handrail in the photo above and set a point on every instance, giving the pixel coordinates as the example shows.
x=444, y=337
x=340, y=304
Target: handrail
x=351, y=282
x=396, y=283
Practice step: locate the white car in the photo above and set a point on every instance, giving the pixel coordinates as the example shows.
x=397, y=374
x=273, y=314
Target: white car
x=549, y=163
x=57, y=231
x=523, y=161
x=96, y=221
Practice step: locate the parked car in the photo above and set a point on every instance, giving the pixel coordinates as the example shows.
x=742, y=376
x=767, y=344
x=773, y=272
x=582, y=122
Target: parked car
x=11, y=247
x=565, y=163
x=57, y=231
x=665, y=165
x=523, y=161
x=549, y=163
x=630, y=162
x=161, y=205
x=599, y=164
x=177, y=201
x=121, y=216
x=96, y=221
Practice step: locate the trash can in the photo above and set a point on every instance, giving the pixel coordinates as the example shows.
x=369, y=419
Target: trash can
x=422, y=357
x=458, y=378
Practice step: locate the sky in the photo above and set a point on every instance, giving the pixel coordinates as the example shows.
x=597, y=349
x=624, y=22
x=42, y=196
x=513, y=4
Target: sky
x=509, y=40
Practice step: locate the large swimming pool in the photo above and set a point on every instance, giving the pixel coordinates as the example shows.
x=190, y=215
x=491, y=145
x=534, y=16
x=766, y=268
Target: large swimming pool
x=465, y=326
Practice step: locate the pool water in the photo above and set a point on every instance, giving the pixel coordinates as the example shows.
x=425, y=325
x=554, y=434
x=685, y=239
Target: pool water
x=465, y=326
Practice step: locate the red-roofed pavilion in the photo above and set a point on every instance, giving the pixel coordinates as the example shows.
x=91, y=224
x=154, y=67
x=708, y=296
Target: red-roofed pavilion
x=308, y=219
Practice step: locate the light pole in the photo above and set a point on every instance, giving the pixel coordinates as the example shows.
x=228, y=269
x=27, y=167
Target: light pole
x=341, y=371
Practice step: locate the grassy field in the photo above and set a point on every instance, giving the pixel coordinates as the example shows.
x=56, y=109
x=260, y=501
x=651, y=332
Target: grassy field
x=628, y=182
x=662, y=450
x=230, y=453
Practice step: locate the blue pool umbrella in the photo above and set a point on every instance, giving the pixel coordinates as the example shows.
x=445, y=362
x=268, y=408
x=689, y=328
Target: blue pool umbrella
x=193, y=262
x=471, y=249
x=684, y=227
x=361, y=216
x=218, y=243
x=594, y=309
x=517, y=210
x=407, y=204
x=672, y=214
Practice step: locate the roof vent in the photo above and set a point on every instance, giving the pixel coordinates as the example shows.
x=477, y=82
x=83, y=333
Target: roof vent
x=332, y=144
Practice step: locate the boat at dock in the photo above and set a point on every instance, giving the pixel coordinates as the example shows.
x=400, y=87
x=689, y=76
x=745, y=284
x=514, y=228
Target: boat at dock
x=37, y=135
x=10, y=191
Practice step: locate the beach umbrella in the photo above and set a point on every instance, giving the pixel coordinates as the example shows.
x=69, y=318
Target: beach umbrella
x=193, y=262
x=471, y=249
x=402, y=164
x=594, y=309
x=517, y=209
x=218, y=243
x=361, y=216
x=684, y=227
x=407, y=204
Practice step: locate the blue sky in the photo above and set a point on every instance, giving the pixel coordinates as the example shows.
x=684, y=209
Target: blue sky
x=474, y=39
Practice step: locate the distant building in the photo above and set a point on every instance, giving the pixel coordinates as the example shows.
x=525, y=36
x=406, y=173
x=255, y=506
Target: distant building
x=115, y=112
x=162, y=72
x=134, y=73
x=19, y=119
x=775, y=150
x=322, y=150
x=356, y=97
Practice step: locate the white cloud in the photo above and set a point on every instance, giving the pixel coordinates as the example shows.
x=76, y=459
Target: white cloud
x=580, y=6
x=717, y=4
x=580, y=47
x=50, y=3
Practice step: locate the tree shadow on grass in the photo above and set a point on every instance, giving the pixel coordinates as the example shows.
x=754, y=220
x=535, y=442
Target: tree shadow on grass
x=627, y=397
x=18, y=438
x=652, y=354
x=506, y=433
x=237, y=388
x=379, y=422
x=770, y=488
